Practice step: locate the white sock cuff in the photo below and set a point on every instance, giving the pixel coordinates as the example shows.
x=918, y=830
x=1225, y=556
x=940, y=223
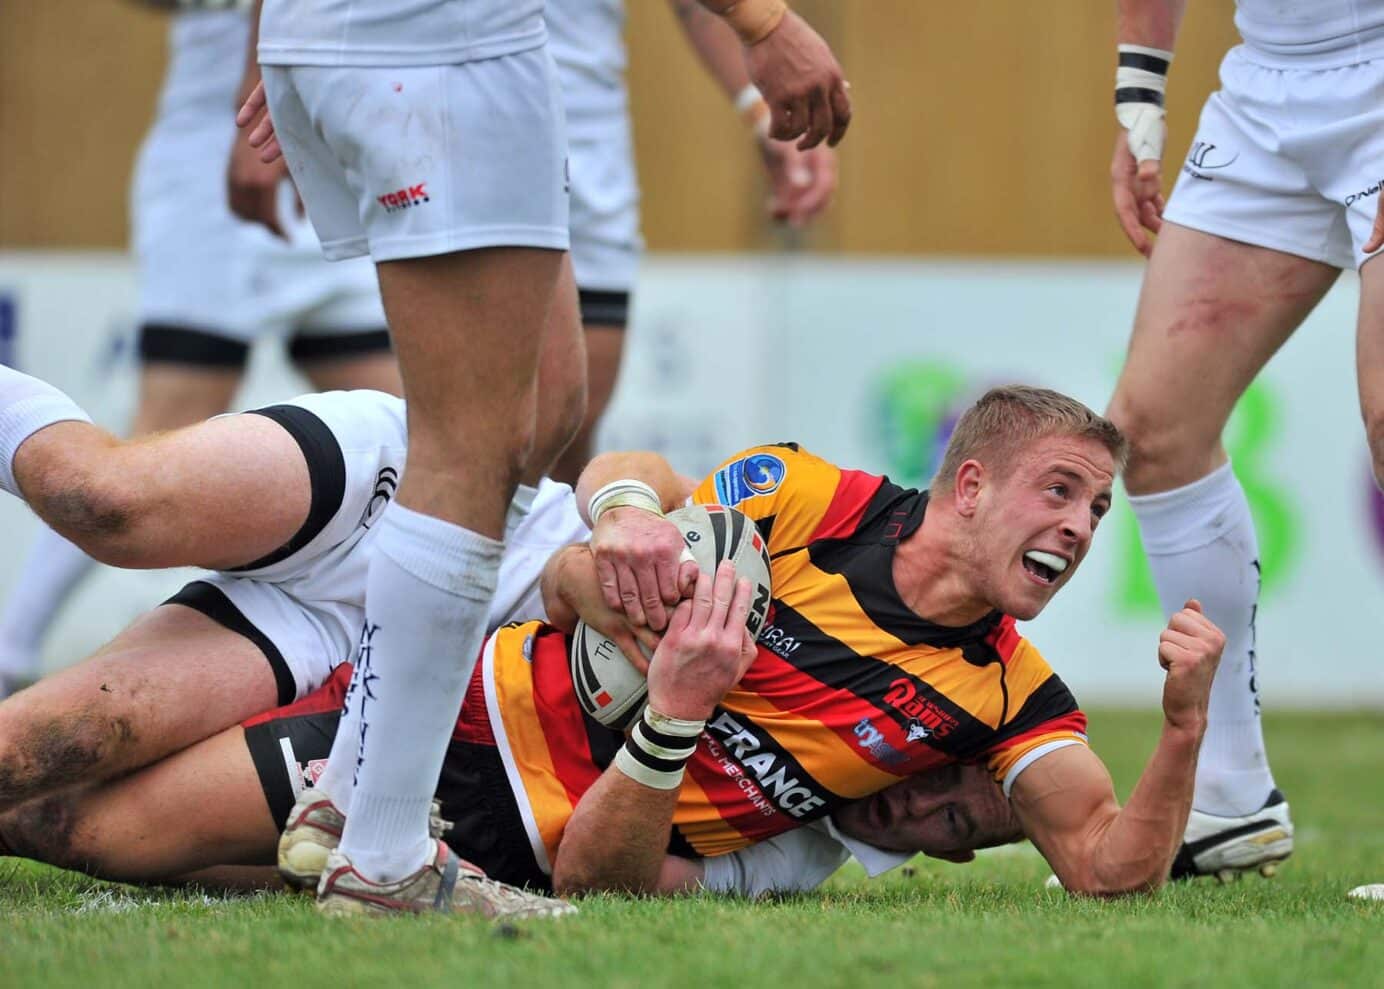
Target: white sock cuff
x=446, y=556
x=21, y=419
x=1191, y=516
x=519, y=507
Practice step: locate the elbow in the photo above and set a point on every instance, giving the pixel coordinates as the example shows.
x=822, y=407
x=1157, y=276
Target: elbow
x=1140, y=877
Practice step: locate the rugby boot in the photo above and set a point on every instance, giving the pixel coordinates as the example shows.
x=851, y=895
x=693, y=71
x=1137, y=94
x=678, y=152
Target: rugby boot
x=446, y=884
x=1224, y=847
x=314, y=829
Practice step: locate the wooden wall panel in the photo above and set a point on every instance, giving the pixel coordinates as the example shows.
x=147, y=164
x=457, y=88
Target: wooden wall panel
x=981, y=127
x=78, y=80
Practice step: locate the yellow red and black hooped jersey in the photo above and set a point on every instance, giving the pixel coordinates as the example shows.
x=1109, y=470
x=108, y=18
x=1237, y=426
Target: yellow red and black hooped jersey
x=851, y=691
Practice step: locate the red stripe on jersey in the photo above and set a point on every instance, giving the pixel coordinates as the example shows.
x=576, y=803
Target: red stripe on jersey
x=473, y=723
x=738, y=799
x=1076, y=722
x=561, y=717
x=790, y=689
x=853, y=494
x=1004, y=638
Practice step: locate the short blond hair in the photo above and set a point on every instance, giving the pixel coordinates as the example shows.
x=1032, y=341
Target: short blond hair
x=1009, y=418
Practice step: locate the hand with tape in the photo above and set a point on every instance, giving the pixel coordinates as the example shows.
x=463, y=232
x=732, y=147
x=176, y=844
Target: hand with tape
x=642, y=563
x=1136, y=169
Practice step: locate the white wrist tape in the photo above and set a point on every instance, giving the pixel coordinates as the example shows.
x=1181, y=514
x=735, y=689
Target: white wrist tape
x=1141, y=79
x=626, y=492
x=657, y=751
x=753, y=109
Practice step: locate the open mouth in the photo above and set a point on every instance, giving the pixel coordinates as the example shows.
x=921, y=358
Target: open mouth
x=1047, y=567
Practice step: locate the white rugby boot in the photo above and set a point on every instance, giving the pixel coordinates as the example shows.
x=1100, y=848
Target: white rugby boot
x=313, y=830
x=1224, y=847
x=444, y=884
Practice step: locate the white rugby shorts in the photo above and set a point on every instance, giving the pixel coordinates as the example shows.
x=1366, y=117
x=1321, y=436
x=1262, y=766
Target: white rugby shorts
x=304, y=605
x=1288, y=159
x=412, y=161
x=605, y=204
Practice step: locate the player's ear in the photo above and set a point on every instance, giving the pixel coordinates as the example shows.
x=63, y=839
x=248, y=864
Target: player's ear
x=970, y=479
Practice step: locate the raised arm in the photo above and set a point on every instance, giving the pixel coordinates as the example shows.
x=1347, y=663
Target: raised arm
x=617, y=838
x=1067, y=804
x=1146, y=31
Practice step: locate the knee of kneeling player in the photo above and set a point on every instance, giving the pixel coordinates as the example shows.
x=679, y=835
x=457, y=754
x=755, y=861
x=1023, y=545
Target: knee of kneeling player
x=47, y=830
x=102, y=515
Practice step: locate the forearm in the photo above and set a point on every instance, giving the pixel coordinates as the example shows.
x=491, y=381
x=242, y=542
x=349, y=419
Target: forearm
x=250, y=76
x=752, y=20
x=617, y=838
x=1137, y=847
x=715, y=44
x=1151, y=23
x=671, y=487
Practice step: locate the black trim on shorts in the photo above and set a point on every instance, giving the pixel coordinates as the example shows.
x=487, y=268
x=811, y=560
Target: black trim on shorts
x=309, y=348
x=326, y=473
x=309, y=735
x=166, y=343
x=211, y=601
x=474, y=791
x=602, y=308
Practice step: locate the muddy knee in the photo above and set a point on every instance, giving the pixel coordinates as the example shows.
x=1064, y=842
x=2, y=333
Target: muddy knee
x=38, y=755
x=45, y=830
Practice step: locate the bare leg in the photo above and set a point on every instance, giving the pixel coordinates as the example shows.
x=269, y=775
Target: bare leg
x=563, y=389
x=170, y=396
x=1211, y=314
x=173, y=678
x=1369, y=361
x=199, y=809
x=468, y=331
x=192, y=497
x=604, y=347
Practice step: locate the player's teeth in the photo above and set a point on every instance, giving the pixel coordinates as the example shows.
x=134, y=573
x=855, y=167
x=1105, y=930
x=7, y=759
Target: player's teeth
x=1049, y=560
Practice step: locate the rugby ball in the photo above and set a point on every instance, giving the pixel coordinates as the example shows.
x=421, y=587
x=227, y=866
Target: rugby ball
x=607, y=685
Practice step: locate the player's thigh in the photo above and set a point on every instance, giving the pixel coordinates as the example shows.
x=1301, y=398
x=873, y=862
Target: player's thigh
x=1369, y=358
x=220, y=494
x=171, y=679
x=173, y=395
x=1211, y=313
x=198, y=808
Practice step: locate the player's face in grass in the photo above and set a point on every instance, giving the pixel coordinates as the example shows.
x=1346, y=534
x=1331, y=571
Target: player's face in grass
x=1035, y=524
x=945, y=813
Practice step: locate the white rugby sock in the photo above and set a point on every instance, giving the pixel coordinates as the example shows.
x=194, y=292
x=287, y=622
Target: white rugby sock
x=427, y=596
x=335, y=781
x=26, y=406
x=1201, y=544
x=51, y=571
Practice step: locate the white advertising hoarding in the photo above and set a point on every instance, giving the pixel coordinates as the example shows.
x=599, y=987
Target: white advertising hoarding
x=868, y=362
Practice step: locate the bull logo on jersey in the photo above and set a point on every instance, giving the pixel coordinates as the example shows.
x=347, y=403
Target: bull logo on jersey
x=749, y=477
x=930, y=719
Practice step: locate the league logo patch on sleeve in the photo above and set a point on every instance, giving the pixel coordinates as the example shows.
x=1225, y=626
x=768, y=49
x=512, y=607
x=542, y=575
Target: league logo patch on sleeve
x=749, y=477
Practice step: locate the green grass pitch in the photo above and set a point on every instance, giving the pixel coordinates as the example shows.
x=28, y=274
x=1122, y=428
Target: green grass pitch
x=932, y=924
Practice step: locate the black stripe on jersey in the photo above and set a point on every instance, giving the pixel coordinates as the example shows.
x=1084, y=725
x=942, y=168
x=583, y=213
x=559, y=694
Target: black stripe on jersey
x=748, y=745
x=835, y=664
x=603, y=741
x=866, y=559
x=326, y=474
x=787, y=445
x=1051, y=700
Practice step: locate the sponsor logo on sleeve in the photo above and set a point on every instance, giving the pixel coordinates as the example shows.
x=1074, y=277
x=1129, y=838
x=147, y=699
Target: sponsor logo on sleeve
x=749, y=477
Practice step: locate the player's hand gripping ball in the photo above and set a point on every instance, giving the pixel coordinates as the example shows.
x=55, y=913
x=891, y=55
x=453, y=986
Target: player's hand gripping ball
x=608, y=686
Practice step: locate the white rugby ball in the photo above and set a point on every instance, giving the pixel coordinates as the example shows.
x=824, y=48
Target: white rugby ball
x=608, y=687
